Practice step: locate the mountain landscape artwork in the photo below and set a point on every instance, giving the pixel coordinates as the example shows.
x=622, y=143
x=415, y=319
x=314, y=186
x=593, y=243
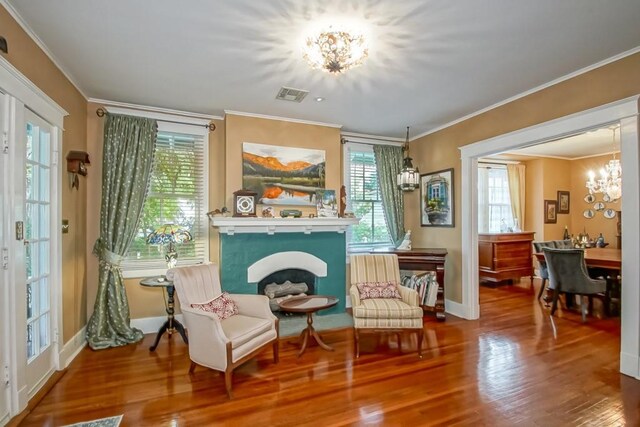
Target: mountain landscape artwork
x=283, y=175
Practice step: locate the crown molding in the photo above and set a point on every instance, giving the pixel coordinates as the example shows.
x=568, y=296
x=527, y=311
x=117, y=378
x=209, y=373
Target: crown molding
x=27, y=29
x=151, y=109
x=534, y=90
x=282, y=119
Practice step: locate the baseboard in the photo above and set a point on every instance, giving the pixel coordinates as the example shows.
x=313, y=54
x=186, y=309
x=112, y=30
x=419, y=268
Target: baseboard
x=630, y=365
x=73, y=347
x=150, y=325
x=455, y=308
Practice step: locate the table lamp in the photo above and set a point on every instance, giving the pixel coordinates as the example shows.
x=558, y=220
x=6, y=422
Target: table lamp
x=170, y=234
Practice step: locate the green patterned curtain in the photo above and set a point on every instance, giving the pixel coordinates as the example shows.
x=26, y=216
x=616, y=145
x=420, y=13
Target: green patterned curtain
x=388, y=164
x=128, y=155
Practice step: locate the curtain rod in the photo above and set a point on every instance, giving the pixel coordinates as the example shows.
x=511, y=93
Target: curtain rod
x=344, y=140
x=100, y=112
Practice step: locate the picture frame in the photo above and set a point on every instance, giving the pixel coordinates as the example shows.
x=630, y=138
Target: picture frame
x=564, y=202
x=550, y=211
x=437, y=199
x=327, y=204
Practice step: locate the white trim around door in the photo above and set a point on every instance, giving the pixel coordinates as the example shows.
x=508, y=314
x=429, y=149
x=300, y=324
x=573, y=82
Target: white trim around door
x=625, y=112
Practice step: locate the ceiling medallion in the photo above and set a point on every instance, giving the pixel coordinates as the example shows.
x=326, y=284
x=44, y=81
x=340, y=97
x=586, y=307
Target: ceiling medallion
x=335, y=51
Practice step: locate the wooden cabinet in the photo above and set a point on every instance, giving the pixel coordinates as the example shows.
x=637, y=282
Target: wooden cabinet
x=505, y=256
x=425, y=259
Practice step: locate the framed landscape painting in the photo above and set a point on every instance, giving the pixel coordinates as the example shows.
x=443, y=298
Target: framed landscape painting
x=283, y=175
x=437, y=199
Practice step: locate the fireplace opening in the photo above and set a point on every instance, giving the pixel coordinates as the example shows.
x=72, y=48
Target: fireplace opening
x=285, y=284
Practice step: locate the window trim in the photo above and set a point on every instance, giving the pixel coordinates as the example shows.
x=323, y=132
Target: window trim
x=187, y=125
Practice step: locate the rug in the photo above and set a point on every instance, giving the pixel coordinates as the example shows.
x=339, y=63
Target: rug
x=295, y=324
x=102, y=422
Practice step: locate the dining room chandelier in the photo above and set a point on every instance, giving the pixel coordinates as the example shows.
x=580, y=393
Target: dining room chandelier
x=408, y=178
x=335, y=51
x=610, y=181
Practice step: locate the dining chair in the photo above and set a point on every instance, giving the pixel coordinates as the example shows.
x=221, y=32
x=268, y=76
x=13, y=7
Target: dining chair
x=568, y=274
x=543, y=271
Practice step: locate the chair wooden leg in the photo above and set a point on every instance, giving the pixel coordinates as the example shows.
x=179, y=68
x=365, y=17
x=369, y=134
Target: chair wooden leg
x=420, y=337
x=356, y=342
x=583, y=309
x=228, y=376
x=276, y=351
x=554, y=304
x=192, y=367
x=542, y=288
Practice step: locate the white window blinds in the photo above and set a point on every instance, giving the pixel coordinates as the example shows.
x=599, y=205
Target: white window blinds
x=363, y=199
x=177, y=194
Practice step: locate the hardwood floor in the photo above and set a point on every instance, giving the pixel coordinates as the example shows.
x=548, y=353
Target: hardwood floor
x=514, y=366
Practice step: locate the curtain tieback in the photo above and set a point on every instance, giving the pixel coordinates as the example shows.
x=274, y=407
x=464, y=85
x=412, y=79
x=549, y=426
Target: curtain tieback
x=112, y=259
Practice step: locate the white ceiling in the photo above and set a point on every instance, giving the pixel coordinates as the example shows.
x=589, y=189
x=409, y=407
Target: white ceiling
x=593, y=143
x=430, y=61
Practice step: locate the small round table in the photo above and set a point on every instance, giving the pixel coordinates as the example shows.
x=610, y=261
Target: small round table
x=309, y=304
x=172, y=324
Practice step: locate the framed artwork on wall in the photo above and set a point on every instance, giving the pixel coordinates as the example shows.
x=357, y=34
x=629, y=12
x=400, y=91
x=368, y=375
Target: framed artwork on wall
x=550, y=211
x=283, y=175
x=437, y=199
x=564, y=202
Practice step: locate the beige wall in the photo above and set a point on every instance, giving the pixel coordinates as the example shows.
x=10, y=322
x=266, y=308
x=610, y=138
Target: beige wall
x=27, y=57
x=439, y=150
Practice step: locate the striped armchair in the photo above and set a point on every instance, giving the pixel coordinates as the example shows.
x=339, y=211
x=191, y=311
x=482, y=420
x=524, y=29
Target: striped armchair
x=383, y=314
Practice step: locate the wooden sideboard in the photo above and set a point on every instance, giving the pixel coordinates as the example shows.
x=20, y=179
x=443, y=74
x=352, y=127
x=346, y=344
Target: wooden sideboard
x=424, y=259
x=505, y=256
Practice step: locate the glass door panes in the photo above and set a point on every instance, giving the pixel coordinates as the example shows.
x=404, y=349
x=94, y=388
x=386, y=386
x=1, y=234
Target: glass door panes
x=37, y=238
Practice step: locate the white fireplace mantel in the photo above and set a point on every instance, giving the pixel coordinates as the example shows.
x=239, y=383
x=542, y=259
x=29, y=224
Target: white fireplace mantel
x=232, y=225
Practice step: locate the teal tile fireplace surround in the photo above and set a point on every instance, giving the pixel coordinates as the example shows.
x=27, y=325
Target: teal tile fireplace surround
x=241, y=250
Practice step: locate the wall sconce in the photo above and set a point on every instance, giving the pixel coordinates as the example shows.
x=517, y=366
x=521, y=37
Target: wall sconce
x=3, y=45
x=76, y=165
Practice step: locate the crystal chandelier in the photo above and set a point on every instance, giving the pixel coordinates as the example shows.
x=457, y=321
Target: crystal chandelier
x=335, y=51
x=610, y=181
x=409, y=178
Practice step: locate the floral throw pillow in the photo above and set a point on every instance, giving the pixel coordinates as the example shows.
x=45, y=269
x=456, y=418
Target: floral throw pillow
x=222, y=306
x=378, y=290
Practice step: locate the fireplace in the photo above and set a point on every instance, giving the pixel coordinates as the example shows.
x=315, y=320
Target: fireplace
x=285, y=284
x=251, y=249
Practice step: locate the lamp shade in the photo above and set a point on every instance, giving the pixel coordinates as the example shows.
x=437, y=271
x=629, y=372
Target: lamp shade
x=169, y=233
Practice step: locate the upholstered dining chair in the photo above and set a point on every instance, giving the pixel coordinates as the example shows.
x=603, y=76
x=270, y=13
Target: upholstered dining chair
x=383, y=314
x=568, y=274
x=543, y=270
x=222, y=345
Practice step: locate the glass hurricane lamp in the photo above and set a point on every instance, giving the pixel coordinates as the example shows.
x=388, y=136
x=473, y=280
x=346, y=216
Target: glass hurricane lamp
x=408, y=178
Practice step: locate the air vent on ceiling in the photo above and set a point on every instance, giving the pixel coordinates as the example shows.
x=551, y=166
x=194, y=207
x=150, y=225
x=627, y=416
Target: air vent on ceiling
x=291, y=94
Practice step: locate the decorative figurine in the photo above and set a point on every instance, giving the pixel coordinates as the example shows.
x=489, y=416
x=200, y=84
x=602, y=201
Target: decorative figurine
x=267, y=212
x=405, y=245
x=343, y=201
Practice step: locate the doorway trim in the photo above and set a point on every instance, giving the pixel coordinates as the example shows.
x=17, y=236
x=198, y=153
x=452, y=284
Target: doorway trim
x=625, y=112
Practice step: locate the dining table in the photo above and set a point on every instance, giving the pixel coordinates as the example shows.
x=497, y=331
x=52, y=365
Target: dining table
x=608, y=258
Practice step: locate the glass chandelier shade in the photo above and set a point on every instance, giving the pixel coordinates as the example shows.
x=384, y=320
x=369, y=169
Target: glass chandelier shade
x=408, y=178
x=610, y=180
x=335, y=51
x=169, y=234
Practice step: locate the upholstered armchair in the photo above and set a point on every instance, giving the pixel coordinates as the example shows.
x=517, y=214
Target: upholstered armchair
x=568, y=274
x=217, y=344
x=383, y=314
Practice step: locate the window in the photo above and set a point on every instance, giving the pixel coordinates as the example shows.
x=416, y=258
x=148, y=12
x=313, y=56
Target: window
x=494, y=203
x=177, y=194
x=363, y=199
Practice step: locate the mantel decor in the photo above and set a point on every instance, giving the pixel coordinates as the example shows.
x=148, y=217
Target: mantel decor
x=437, y=199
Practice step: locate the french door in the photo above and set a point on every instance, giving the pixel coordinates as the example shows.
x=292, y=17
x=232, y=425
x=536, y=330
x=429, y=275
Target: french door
x=30, y=259
x=35, y=277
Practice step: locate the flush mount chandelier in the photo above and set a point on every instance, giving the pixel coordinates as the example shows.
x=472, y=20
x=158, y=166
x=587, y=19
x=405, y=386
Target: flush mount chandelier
x=610, y=181
x=335, y=51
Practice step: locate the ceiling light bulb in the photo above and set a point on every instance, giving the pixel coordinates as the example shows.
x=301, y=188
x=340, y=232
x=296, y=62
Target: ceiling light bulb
x=319, y=99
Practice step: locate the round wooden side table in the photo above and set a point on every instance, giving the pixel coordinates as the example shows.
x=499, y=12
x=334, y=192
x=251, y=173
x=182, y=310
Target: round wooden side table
x=309, y=305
